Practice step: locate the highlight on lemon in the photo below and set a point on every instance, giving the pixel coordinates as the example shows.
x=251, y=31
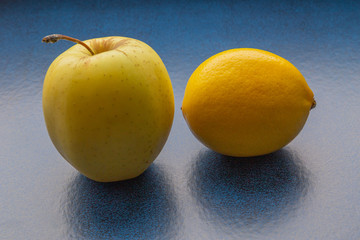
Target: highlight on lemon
x=246, y=102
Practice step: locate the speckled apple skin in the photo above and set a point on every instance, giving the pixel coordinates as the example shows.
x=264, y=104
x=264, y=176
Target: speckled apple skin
x=109, y=114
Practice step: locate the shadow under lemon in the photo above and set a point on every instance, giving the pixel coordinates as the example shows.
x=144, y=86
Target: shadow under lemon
x=248, y=194
x=140, y=208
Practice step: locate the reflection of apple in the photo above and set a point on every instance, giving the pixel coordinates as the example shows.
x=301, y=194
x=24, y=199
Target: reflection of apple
x=109, y=108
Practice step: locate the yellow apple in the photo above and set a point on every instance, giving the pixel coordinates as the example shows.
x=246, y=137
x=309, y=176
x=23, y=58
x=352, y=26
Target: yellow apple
x=108, y=109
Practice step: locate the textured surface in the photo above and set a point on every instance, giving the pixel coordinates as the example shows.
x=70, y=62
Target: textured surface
x=309, y=190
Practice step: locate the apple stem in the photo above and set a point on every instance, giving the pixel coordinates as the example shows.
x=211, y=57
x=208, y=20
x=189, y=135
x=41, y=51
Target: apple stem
x=53, y=38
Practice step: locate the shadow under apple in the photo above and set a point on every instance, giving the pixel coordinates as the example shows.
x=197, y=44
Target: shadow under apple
x=140, y=208
x=248, y=194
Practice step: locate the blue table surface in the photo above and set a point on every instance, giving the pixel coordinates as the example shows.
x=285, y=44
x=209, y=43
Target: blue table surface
x=308, y=190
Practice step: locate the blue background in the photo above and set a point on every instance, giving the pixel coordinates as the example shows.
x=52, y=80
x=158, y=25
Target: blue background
x=308, y=190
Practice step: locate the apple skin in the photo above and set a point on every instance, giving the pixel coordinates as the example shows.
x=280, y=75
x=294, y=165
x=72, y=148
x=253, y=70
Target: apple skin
x=109, y=114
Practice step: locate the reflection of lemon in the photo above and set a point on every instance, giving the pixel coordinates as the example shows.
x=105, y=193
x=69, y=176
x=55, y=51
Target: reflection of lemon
x=246, y=102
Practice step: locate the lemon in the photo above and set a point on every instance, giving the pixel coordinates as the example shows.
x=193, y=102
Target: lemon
x=246, y=102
